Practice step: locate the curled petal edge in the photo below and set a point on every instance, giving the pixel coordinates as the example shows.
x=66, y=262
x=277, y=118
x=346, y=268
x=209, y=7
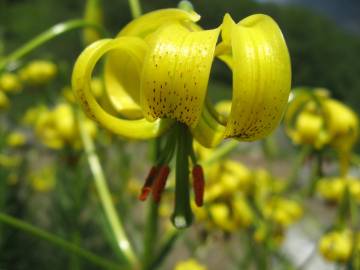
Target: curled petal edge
x=83, y=68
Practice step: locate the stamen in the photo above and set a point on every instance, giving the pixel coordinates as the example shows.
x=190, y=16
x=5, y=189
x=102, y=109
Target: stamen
x=198, y=184
x=160, y=182
x=146, y=189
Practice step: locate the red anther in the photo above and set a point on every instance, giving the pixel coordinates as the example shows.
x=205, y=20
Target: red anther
x=198, y=184
x=146, y=189
x=160, y=182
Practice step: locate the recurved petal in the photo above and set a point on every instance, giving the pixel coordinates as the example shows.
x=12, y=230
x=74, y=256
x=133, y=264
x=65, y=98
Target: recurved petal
x=261, y=78
x=122, y=71
x=81, y=77
x=151, y=21
x=122, y=78
x=176, y=73
x=208, y=132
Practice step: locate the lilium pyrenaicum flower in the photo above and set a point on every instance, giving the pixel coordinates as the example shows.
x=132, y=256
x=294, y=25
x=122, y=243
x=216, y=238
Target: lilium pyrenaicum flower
x=156, y=76
x=314, y=118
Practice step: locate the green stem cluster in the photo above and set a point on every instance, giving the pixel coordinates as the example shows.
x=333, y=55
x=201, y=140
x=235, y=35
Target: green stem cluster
x=182, y=216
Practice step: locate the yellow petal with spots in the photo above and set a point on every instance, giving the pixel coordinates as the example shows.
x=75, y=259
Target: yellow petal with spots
x=256, y=52
x=176, y=73
x=122, y=72
x=166, y=71
x=261, y=78
x=81, y=77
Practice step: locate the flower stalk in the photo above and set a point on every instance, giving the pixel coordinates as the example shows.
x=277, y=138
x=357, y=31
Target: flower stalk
x=135, y=8
x=114, y=220
x=46, y=36
x=58, y=241
x=182, y=216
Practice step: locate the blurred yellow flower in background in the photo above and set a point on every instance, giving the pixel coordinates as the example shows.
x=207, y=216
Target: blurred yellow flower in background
x=4, y=101
x=282, y=211
x=315, y=119
x=10, y=83
x=38, y=72
x=57, y=127
x=309, y=130
x=16, y=139
x=332, y=189
x=190, y=264
x=337, y=245
x=230, y=188
x=43, y=179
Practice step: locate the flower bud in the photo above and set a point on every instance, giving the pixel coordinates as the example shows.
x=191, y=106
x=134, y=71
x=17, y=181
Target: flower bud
x=38, y=72
x=9, y=82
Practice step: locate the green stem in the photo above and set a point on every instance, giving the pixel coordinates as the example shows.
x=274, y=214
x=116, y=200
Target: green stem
x=151, y=232
x=299, y=161
x=182, y=216
x=151, y=229
x=135, y=8
x=186, y=5
x=246, y=260
x=75, y=263
x=316, y=173
x=344, y=209
x=105, y=196
x=166, y=247
x=355, y=159
x=42, y=38
x=57, y=241
x=220, y=152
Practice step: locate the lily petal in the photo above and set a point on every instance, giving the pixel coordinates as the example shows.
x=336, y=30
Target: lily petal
x=255, y=51
x=122, y=72
x=176, y=73
x=135, y=129
x=261, y=78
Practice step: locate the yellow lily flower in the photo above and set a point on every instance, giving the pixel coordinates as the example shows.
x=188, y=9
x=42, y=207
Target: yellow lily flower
x=57, y=127
x=315, y=119
x=337, y=245
x=148, y=56
x=343, y=127
x=332, y=189
x=156, y=76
